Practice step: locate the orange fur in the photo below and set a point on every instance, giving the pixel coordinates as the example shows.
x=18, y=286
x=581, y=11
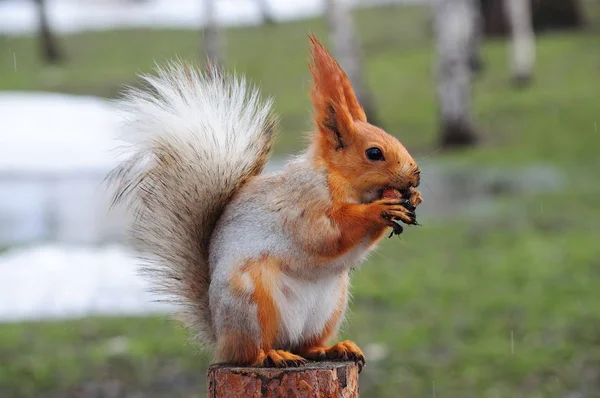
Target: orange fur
x=353, y=224
x=356, y=223
x=264, y=273
x=332, y=91
x=340, y=142
x=345, y=350
x=236, y=348
x=344, y=135
x=278, y=358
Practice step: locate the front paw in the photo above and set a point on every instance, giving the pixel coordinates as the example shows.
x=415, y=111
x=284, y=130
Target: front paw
x=397, y=209
x=414, y=197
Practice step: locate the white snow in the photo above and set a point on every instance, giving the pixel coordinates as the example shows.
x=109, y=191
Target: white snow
x=50, y=133
x=58, y=135
x=68, y=16
x=55, y=151
x=61, y=282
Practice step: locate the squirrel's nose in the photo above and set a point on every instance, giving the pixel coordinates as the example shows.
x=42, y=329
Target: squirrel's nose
x=417, y=178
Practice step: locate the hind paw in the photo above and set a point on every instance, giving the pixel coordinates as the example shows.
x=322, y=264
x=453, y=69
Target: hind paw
x=342, y=351
x=278, y=359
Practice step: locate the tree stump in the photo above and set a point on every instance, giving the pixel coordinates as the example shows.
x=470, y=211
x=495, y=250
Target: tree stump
x=315, y=379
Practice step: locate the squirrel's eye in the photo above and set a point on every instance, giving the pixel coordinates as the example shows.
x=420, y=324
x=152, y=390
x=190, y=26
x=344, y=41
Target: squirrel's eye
x=374, y=154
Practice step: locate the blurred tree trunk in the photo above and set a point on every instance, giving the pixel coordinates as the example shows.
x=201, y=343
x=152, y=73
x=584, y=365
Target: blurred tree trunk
x=50, y=52
x=547, y=15
x=455, y=31
x=212, y=45
x=518, y=13
x=265, y=12
x=348, y=52
x=476, y=59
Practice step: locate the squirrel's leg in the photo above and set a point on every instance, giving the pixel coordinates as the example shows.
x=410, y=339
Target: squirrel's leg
x=316, y=348
x=235, y=348
x=345, y=350
x=254, y=283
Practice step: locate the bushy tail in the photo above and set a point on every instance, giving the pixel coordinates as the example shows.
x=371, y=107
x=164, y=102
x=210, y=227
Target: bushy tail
x=194, y=140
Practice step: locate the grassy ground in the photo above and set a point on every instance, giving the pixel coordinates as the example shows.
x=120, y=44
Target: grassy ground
x=504, y=304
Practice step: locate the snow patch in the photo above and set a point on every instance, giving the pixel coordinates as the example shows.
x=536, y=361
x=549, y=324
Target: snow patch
x=62, y=282
x=49, y=133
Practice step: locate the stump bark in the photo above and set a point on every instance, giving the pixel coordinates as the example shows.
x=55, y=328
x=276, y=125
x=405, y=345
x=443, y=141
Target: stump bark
x=316, y=379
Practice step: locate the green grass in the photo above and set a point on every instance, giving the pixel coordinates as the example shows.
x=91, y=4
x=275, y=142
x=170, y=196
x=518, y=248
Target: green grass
x=501, y=304
x=136, y=355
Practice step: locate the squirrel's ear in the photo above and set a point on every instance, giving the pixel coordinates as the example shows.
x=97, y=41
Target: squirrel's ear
x=335, y=104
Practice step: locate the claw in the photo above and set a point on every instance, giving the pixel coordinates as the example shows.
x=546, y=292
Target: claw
x=345, y=350
x=409, y=206
x=361, y=363
x=281, y=359
x=397, y=229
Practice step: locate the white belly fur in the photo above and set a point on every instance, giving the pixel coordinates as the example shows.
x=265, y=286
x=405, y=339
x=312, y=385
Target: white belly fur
x=305, y=307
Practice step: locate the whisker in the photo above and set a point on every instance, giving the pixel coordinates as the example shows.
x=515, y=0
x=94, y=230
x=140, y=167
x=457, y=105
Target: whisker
x=427, y=156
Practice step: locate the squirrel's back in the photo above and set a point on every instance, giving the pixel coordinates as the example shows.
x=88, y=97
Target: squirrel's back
x=194, y=140
x=261, y=217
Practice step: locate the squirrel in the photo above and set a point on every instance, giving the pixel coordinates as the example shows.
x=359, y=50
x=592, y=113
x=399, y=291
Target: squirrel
x=258, y=262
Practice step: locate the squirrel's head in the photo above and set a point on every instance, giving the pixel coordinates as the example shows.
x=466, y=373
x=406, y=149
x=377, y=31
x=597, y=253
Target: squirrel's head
x=362, y=159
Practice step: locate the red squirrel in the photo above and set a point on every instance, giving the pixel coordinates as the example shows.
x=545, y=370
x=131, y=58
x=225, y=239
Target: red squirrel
x=259, y=262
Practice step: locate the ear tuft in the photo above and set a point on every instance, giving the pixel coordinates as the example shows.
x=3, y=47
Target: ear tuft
x=333, y=98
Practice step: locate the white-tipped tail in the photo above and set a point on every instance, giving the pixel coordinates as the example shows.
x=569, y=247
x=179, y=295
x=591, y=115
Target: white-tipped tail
x=194, y=139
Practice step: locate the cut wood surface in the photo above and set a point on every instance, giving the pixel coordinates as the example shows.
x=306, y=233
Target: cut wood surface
x=315, y=379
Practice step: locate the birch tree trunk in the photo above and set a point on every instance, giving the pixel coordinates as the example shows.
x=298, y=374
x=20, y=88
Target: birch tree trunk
x=455, y=35
x=520, y=21
x=476, y=59
x=49, y=48
x=212, y=45
x=348, y=53
x=265, y=12
x=546, y=15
